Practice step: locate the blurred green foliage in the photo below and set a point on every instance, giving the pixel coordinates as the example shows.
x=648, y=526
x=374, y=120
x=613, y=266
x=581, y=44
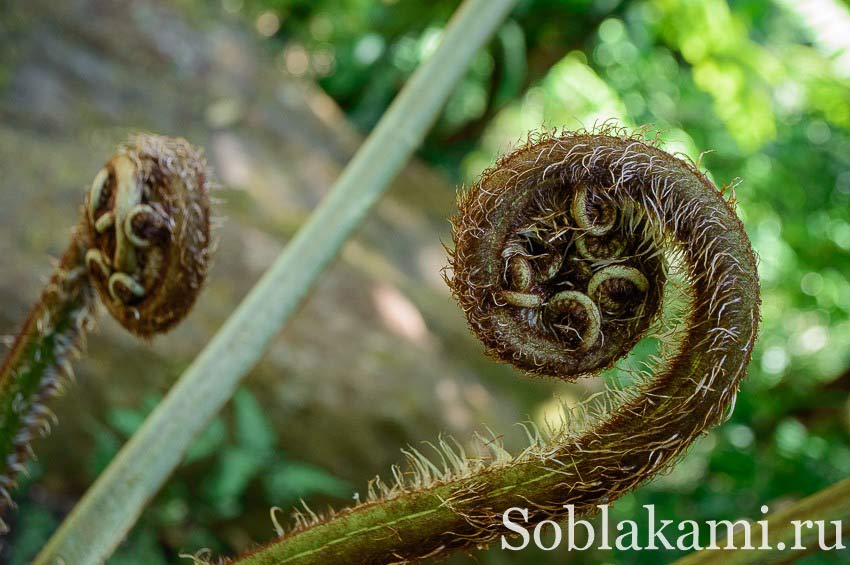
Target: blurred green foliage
x=760, y=83
x=232, y=464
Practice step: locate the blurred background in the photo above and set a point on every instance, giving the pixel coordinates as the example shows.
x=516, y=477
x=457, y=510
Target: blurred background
x=280, y=93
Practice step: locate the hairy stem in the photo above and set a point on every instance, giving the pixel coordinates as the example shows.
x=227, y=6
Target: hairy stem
x=430, y=511
x=110, y=508
x=39, y=361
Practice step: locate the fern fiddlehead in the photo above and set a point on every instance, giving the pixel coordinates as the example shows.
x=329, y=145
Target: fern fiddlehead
x=148, y=223
x=142, y=246
x=560, y=259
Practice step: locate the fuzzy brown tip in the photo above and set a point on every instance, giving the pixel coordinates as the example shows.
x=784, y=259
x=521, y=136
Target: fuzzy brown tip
x=567, y=227
x=148, y=224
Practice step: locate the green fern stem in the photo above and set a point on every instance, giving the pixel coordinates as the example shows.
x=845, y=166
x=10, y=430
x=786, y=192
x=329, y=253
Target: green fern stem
x=509, y=292
x=38, y=364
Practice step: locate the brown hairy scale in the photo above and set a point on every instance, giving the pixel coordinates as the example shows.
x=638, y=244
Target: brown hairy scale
x=541, y=297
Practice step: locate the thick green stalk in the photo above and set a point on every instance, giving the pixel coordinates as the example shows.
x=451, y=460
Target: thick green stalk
x=39, y=361
x=827, y=505
x=110, y=508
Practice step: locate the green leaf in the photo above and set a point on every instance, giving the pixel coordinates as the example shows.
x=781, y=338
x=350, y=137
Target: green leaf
x=253, y=430
x=142, y=547
x=106, y=445
x=236, y=467
x=208, y=443
x=291, y=481
x=125, y=420
x=33, y=529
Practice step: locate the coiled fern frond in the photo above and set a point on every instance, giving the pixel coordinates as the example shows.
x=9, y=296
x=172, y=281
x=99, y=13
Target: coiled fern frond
x=563, y=256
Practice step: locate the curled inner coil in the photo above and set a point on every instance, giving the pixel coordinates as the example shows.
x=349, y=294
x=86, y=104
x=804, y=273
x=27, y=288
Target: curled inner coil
x=148, y=224
x=579, y=274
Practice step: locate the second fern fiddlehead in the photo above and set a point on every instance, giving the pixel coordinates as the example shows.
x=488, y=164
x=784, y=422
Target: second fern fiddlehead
x=147, y=220
x=560, y=260
x=142, y=246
